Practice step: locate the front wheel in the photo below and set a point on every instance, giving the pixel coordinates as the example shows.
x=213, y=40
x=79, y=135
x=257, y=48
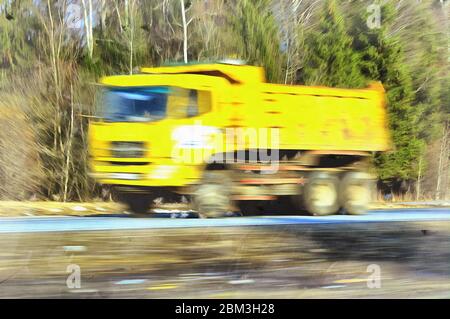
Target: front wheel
x=212, y=198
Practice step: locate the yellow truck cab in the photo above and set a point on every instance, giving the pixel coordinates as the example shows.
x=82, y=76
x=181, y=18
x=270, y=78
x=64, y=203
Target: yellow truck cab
x=224, y=136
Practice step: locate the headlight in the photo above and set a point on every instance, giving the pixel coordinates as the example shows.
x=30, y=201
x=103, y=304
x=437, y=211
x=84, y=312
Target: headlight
x=124, y=176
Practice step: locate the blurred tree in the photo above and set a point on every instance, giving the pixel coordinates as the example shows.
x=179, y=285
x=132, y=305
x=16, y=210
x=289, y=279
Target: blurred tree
x=18, y=26
x=88, y=25
x=426, y=51
x=258, y=36
x=306, y=41
x=296, y=18
x=330, y=58
x=212, y=36
x=122, y=41
x=382, y=58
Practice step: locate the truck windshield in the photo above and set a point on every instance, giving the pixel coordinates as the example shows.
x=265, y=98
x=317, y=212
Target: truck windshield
x=134, y=104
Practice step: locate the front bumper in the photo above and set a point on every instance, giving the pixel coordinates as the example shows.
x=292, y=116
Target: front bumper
x=152, y=175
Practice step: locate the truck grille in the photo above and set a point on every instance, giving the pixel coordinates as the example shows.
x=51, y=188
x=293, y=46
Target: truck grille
x=127, y=149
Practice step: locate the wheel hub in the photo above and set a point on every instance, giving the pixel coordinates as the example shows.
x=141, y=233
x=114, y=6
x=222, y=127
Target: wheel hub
x=357, y=195
x=324, y=195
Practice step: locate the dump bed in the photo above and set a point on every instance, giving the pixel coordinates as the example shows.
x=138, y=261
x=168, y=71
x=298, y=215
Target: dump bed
x=320, y=118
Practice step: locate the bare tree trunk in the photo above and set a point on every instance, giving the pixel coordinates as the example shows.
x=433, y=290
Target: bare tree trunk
x=87, y=12
x=419, y=179
x=446, y=163
x=442, y=154
x=131, y=55
x=288, y=62
x=129, y=16
x=127, y=12
x=91, y=34
x=68, y=147
x=103, y=13
x=183, y=14
x=54, y=61
x=118, y=17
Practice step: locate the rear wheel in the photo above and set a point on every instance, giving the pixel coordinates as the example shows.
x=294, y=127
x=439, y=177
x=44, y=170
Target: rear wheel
x=320, y=195
x=212, y=198
x=355, y=192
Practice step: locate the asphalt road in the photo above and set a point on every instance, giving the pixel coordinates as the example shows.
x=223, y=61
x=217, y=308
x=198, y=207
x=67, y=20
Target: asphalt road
x=126, y=222
x=119, y=256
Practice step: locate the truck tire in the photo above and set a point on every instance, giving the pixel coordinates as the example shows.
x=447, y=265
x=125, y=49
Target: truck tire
x=355, y=192
x=212, y=197
x=320, y=194
x=138, y=203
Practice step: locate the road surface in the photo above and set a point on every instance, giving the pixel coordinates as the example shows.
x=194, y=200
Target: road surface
x=125, y=222
x=119, y=256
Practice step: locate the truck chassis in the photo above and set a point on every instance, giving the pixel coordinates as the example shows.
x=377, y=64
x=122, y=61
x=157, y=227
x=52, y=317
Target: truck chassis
x=320, y=183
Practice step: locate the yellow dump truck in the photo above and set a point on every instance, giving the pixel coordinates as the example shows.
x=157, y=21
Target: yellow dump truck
x=224, y=137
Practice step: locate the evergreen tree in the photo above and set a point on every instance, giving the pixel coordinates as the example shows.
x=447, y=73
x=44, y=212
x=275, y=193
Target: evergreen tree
x=382, y=58
x=121, y=39
x=426, y=50
x=258, y=36
x=17, y=46
x=331, y=60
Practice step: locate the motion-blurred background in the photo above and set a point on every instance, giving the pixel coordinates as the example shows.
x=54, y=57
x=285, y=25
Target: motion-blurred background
x=53, y=52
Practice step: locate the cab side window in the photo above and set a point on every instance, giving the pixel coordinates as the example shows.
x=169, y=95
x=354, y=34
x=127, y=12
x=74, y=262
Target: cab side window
x=192, y=107
x=185, y=103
